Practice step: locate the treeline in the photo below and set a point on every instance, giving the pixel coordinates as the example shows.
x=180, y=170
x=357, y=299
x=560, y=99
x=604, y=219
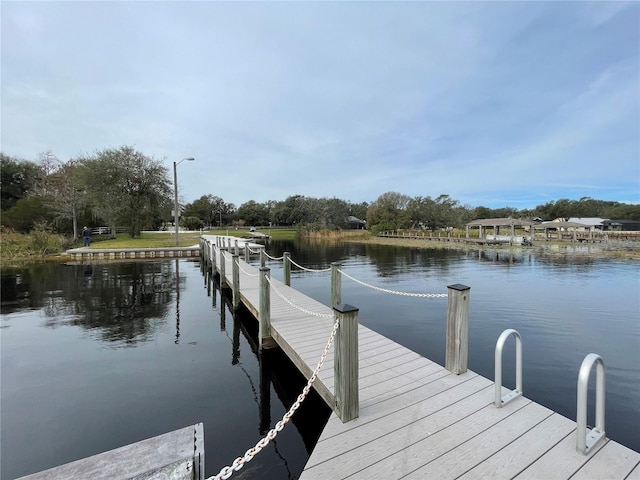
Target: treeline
x=125, y=188
x=113, y=187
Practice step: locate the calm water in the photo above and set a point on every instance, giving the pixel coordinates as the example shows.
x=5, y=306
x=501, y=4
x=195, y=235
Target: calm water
x=95, y=357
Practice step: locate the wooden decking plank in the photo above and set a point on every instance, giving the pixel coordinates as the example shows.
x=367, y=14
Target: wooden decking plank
x=382, y=409
x=419, y=447
x=519, y=454
x=407, y=367
x=410, y=424
x=478, y=448
x=560, y=461
x=447, y=441
x=381, y=391
x=611, y=461
x=634, y=474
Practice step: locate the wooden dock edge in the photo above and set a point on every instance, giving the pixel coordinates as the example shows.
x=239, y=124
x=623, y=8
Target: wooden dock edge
x=178, y=455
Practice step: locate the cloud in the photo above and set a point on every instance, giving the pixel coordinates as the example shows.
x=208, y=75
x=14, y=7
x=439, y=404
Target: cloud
x=487, y=102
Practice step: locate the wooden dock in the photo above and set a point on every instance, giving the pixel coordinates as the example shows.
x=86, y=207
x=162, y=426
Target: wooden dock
x=416, y=418
x=177, y=455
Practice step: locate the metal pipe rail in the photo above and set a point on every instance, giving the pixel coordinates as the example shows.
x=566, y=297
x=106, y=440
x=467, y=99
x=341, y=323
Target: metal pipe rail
x=586, y=441
x=500, y=400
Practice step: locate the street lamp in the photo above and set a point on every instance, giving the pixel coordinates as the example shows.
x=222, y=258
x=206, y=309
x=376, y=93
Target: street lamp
x=175, y=193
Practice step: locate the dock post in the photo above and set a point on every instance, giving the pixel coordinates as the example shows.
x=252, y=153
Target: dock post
x=236, y=247
x=264, y=315
x=457, y=351
x=212, y=255
x=264, y=405
x=247, y=253
x=223, y=262
x=286, y=263
x=263, y=257
x=235, y=275
x=345, y=370
x=336, y=284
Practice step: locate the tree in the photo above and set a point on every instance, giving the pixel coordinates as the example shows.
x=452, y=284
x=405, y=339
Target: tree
x=26, y=213
x=389, y=212
x=253, y=213
x=624, y=212
x=61, y=189
x=126, y=187
x=421, y=213
x=293, y=210
x=17, y=179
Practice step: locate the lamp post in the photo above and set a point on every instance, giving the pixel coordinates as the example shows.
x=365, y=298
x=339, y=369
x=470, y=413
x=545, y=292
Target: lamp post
x=175, y=193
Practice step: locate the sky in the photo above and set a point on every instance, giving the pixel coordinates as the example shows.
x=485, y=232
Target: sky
x=493, y=103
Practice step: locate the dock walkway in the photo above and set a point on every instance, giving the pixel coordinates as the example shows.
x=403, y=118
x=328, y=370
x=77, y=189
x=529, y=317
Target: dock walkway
x=417, y=419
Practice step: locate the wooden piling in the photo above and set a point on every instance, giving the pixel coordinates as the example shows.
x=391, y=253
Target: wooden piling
x=457, y=351
x=286, y=263
x=235, y=275
x=264, y=317
x=223, y=281
x=336, y=284
x=346, y=363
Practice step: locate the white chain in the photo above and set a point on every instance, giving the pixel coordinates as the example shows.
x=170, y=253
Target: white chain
x=394, y=292
x=244, y=271
x=254, y=251
x=297, y=307
x=309, y=269
x=239, y=462
x=273, y=258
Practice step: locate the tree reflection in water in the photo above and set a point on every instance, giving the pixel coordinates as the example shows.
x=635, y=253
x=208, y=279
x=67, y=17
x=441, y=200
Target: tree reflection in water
x=122, y=304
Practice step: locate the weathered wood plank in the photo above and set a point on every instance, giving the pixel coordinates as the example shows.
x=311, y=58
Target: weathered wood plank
x=166, y=454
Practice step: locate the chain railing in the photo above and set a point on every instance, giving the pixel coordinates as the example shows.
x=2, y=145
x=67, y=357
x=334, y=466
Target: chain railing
x=297, y=307
x=310, y=269
x=249, y=274
x=273, y=258
x=239, y=462
x=394, y=292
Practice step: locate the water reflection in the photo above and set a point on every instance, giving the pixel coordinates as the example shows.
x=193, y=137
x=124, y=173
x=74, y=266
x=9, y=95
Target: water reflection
x=121, y=304
x=195, y=369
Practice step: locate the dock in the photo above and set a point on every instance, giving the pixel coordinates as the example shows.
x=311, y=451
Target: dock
x=93, y=254
x=178, y=455
x=414, y=418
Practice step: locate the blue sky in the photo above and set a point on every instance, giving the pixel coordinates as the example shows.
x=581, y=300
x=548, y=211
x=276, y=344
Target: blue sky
x=494, y=103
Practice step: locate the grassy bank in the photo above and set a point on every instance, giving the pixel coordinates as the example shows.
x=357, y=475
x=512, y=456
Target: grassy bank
x=38, y=245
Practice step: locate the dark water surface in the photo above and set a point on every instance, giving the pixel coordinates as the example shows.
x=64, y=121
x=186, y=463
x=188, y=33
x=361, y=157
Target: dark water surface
x=96, y=357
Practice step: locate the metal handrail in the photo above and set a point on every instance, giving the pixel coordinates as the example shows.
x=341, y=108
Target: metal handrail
x=500, y=400
x=586, y=441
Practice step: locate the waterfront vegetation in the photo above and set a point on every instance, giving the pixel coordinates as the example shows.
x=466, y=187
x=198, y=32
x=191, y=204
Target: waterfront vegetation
x=41, y=244
x=126, y=189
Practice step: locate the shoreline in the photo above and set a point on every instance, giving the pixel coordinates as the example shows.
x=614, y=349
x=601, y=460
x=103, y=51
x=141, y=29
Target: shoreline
x=614, y=250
